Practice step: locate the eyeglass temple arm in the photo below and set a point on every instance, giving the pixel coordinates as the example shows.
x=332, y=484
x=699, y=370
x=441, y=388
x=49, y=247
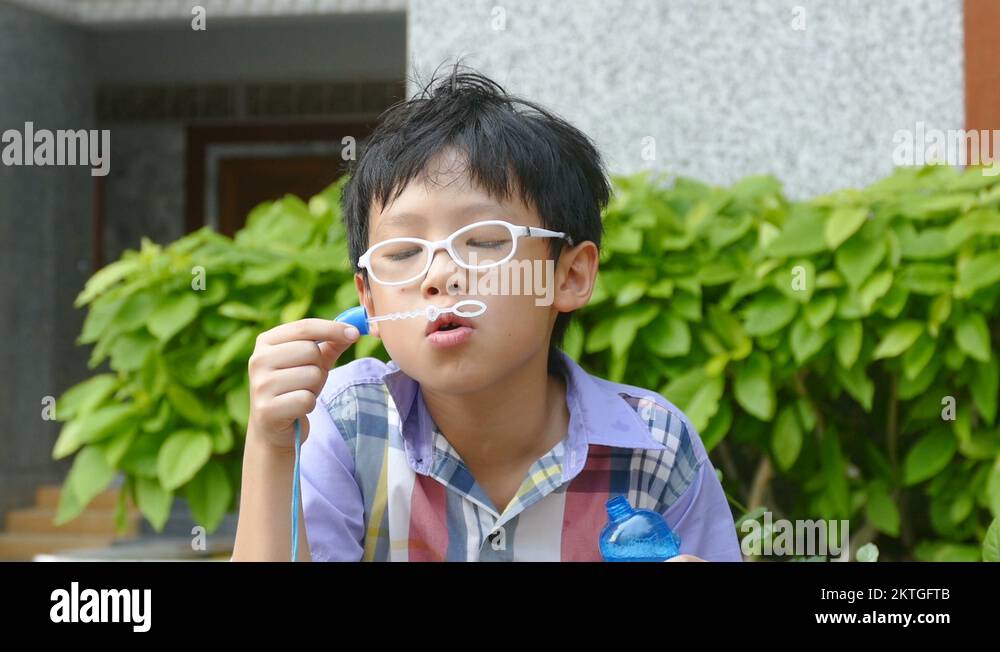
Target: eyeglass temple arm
x=546, y=232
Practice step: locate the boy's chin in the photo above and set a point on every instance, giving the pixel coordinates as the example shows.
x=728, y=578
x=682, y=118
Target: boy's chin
x=451, y=373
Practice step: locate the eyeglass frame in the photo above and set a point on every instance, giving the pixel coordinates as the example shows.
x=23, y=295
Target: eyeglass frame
x=516, y=231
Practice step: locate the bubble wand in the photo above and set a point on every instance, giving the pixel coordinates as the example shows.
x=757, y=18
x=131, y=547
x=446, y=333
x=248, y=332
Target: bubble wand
x=358, y=317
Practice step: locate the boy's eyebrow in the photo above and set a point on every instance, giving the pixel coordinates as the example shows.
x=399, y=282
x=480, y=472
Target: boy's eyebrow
x=404, y=218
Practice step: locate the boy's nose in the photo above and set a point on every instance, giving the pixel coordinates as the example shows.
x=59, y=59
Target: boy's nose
x=444, y=276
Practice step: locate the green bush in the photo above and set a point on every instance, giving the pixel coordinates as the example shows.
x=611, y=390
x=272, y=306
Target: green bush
x=812, y=344
x=177, y=325
x=837, y=355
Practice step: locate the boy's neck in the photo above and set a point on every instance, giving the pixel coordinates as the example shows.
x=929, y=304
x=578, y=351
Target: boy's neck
x=517, y=419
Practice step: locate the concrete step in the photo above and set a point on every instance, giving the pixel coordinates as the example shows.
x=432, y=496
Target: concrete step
x=21, y=546
x=40, y=520
x=48, y=496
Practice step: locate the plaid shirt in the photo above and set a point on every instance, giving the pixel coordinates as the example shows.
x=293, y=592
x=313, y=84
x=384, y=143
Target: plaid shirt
x=380, y=482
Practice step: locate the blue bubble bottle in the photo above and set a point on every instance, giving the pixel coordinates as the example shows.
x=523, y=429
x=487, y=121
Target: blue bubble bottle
x=636, y=534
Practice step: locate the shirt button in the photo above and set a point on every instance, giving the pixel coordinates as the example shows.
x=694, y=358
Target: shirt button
x=498, y=539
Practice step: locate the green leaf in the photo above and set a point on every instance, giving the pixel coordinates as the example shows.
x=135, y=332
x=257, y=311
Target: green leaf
x=843, y=223
x=867, y=553
x=599, y=338
x=768, y=313
x=991, y=542
x=237, y=310
x=898, y=338
x=946, y=551
x=917, y=356
x=980, y=221
x=134, y=312
x=859, y=257
x=627, y=324
x=973, y=336
x=668, y=336
x=241, y=342
x=89, y=476
x=753, y=388
x=188, y=405
x=296, y=310
x=209, y=494
x=662, y=289
x=94, y=427
x=181, y=456
x=980, y=272
x=153, y=501
x=238, y=404
x=705, y=403
x=171, y=315
x=85, y=396
x=686, y=305
x=874, y=289
x=835, y=474
x=99, y=319
x=730, y=331
x=631, y=292
x=129, y=351
x=105, y=278
x=718, y=426
x=848, y=343
x=683, y=390
x=805, y=341
x=797, y=281
x=115, y=447
x=819, y=310
x=786, y=438
x=928, y=457
x=882, y=510
x=926, y=278
x=925, y=245
x=857, y=383
x=985, y=387
x=940, y=311
x=801, y=235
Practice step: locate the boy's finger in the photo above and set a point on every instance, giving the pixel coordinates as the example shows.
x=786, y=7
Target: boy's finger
x=331, y=351
x=317, y=330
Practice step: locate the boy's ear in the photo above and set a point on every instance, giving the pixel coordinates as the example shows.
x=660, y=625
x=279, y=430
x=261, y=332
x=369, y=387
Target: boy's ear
x=576, y=275
x=365, y=297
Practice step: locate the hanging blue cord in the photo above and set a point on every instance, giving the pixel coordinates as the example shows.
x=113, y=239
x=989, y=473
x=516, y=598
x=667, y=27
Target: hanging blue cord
x=295, y=492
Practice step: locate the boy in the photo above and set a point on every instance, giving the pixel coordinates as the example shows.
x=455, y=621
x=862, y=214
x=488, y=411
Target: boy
x=480, y=440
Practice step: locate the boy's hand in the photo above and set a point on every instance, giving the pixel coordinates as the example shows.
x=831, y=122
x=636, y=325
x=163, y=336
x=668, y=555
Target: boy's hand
x=684, y=558
x=288, y=368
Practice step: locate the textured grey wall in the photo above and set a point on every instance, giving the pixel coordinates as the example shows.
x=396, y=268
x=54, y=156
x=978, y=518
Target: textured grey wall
x=45, y=241
x=727, y=88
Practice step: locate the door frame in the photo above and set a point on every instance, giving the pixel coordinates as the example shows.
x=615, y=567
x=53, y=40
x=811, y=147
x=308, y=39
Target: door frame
x=201, y=137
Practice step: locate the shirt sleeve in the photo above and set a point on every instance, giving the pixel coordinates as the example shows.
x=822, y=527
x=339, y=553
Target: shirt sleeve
x=331, y=498
x=701, y=516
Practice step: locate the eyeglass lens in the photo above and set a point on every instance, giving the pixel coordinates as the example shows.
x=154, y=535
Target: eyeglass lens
x=482, y=246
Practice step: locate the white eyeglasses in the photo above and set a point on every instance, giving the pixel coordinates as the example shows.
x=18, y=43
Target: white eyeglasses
x=481, y=245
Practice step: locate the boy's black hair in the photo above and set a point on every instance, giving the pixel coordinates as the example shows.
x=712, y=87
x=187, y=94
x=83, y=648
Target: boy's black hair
x=509, y=145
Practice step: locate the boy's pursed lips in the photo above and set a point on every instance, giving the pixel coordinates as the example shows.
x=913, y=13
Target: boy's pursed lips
x=446, y=320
